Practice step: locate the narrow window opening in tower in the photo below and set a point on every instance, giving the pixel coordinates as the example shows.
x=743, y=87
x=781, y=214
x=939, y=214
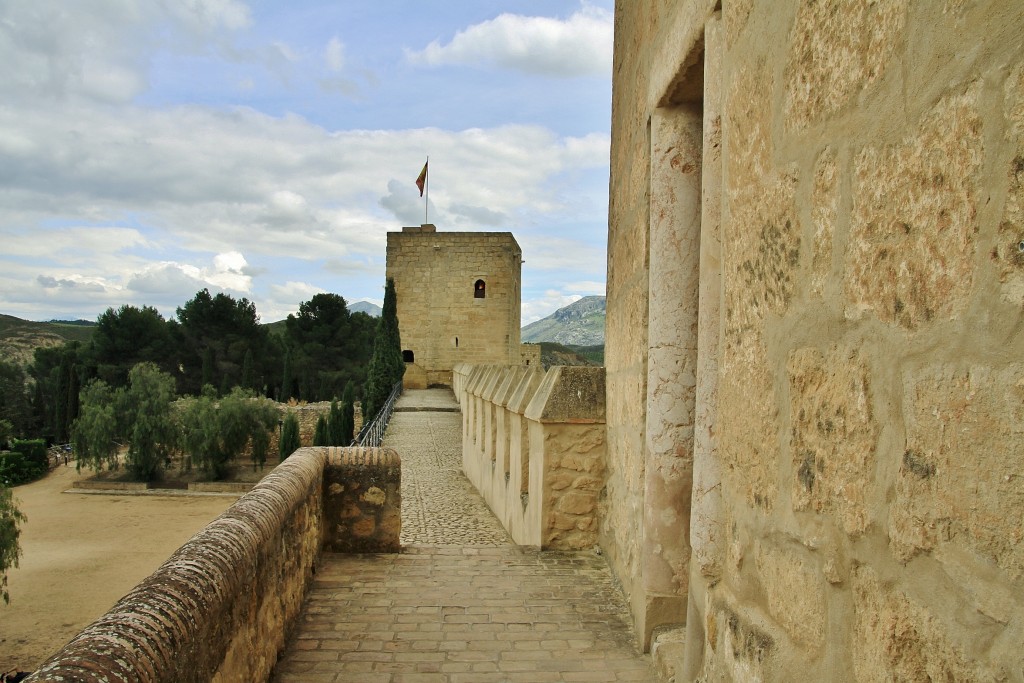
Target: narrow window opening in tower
x=480, y=289
x=456, y=342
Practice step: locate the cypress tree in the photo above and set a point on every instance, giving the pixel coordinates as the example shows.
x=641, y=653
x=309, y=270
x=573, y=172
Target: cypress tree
x=386, y=366
x=60, y=403
x=348, y=414
x=72, y=400
x=334, y=426
x=208, y=366
x=290, y=441
x=321, y=435
x=247, y=372
x=286, y=379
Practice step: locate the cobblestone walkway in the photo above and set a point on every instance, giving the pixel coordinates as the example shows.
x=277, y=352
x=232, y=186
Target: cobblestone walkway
x=460, y=603
x=439, y=504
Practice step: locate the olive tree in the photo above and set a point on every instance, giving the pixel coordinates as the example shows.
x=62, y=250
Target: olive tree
x=216, y=432
x=139, y=414
x=10, y=529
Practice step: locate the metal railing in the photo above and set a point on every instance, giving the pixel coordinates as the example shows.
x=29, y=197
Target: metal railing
x=371, y=434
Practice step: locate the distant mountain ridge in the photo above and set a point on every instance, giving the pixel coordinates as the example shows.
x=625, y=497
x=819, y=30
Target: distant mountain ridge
x=20, y=338
x=367, y=307
x=581, y=323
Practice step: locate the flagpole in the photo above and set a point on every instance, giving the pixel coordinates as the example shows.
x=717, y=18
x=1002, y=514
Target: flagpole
x=426, y=185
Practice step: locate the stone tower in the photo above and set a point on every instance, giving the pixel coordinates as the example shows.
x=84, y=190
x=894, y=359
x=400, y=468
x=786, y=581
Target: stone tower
x=458, y=300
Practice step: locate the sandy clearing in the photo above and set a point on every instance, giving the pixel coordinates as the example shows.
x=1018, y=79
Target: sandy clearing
x=81, y=553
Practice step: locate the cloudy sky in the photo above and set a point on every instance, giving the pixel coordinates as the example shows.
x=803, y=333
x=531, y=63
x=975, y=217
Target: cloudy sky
x=150, y=148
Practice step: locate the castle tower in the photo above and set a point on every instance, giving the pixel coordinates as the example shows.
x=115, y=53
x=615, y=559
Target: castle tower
x=458, y=300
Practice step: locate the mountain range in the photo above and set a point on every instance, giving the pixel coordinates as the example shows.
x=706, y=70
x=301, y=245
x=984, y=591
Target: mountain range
x=581, y=323
x=367, y=307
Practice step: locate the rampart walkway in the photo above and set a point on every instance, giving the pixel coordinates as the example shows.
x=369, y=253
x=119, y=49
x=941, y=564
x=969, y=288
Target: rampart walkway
x=460, y=603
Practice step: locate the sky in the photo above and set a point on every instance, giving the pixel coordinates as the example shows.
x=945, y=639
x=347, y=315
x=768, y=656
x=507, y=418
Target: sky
x=151, y=148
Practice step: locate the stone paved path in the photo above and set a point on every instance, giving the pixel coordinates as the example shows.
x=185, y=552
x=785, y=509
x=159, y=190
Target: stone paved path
x=460, y=603
x=439, y=504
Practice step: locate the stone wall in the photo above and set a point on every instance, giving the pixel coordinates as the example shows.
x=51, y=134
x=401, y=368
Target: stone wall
x=834, y=488
x=362, y=501
x=307, y=414
x=220, y=608
x=529, y=354
x=533, y=445
x=441, y=319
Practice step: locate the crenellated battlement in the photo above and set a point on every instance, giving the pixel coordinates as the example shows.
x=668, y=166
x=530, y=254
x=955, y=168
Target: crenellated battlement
x=533, y=444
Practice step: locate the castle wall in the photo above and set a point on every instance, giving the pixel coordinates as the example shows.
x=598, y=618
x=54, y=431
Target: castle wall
x=850, y=428
x=221, y=607
x=533, y=446
x=441, y=319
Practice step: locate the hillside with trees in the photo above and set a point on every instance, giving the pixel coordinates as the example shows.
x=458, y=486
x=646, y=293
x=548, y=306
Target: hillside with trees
x=214, y=343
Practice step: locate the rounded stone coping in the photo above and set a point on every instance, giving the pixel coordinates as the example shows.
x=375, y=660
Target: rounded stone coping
x=170, y=621
x=359, y=455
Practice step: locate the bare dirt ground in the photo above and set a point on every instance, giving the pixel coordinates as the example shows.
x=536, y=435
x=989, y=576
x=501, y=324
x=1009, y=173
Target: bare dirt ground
x=81, y=553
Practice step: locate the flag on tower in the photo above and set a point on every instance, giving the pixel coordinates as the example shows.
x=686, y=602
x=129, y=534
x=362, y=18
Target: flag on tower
x=421, y=180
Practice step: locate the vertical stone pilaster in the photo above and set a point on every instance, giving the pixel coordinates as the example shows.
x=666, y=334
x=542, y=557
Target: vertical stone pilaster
x=706, y=534
x=674, y=267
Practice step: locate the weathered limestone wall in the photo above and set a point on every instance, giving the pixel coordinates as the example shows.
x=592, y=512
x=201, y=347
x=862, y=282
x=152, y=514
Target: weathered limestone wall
x=529, y=354
x=857, y=502
x=440, y=319
x=362, y=493
x=533, y=445
x=307, y=414
x=219, y=609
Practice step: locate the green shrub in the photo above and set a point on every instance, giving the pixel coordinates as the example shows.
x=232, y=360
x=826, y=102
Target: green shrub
x=24, y=463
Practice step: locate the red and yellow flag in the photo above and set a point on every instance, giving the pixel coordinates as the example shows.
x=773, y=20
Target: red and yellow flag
x=421, y=180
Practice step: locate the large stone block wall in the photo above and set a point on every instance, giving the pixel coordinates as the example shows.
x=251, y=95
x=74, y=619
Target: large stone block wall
x=867, y=393
x=307, y=414
x=362, y=500
x=534, y=446
x=440, y=320
x=220, y=608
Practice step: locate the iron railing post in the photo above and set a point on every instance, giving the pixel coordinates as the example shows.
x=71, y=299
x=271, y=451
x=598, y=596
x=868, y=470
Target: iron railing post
x=372, y=433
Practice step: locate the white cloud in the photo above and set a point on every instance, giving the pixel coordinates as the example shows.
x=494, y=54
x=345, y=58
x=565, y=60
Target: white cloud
x=105, y=200
x=334, y=54
x=577, y=46
x=541, y=307
x=229, y=272
x=99, y=50
x=586, y=287
x=205, y=15
x=239, y=181
x=285, y=299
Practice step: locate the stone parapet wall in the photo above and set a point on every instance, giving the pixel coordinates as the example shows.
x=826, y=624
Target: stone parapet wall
x=362, y=500
x=533, y=445
x=220, y=608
